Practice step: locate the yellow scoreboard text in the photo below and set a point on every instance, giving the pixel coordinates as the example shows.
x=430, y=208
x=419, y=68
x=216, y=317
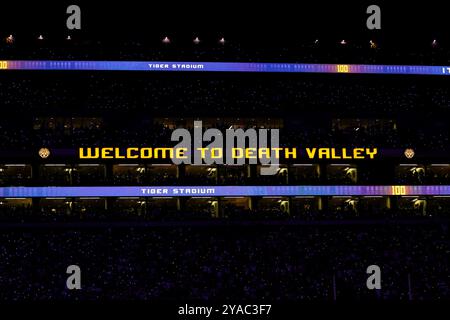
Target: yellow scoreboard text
x=398, y=190
x=344, y=68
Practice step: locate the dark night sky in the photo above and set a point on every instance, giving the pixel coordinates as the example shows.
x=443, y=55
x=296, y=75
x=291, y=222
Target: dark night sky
x=254, y=20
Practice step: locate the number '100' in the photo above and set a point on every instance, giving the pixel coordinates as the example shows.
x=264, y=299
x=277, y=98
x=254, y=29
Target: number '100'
x=342, y=68
x=398, y=190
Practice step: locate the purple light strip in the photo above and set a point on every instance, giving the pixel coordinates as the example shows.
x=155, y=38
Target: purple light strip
x=221, y=67
x=189, y=191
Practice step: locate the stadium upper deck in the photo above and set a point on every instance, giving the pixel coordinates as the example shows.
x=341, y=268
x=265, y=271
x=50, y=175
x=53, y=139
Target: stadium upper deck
x=66, y=110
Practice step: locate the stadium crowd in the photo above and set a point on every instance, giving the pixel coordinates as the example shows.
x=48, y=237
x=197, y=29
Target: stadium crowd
x=349, y=209
x=417, y=108
x=288, y=263
x=23, y=138
x=213, y=94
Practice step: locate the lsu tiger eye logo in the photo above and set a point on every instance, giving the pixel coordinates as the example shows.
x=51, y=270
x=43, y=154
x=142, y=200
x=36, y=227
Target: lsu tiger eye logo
x=44, y=153
x=409, y=153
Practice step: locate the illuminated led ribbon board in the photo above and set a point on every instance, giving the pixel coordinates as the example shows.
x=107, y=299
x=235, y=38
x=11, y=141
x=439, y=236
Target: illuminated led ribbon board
x=221, y=67
x=221, y=191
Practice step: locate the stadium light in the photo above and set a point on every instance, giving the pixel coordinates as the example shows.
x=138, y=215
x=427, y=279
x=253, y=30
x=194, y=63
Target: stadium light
x=10, y=39
x=166, y=40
